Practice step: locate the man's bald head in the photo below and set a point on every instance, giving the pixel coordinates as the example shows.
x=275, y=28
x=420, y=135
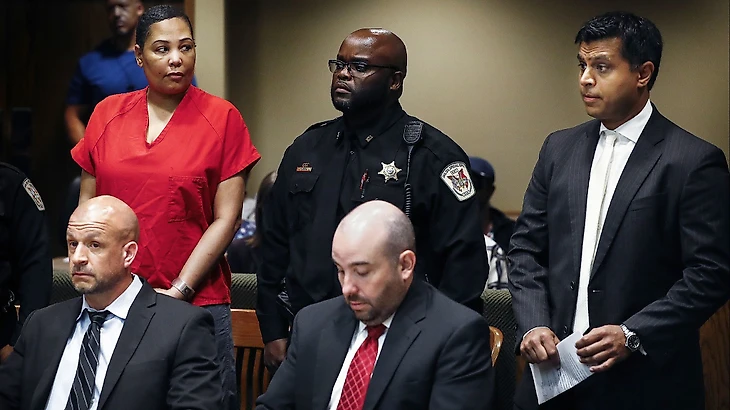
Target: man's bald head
x=373, y=251
x=108, y=211
x=380, y=222
x=384, y=43
x=102, y=244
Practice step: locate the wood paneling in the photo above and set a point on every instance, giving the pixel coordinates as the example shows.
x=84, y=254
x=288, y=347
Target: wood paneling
x=715, y=344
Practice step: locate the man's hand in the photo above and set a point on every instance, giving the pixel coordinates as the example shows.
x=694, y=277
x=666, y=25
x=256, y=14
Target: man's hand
x=274, y=354
x=602, y=348
x=173, y=292
x=5, y=352
x=538, y=346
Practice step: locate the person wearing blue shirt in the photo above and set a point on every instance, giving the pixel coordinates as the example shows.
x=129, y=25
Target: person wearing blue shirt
x=109, y=69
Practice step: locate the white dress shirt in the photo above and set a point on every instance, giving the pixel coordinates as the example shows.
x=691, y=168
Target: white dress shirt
x=361, y=333
x=628, y=135
x=110, y=332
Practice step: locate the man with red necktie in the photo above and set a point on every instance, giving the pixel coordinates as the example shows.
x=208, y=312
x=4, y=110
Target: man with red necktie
x=388, y=342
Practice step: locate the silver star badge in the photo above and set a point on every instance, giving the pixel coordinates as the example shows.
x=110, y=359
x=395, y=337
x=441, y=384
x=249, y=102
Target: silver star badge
x=389, y=171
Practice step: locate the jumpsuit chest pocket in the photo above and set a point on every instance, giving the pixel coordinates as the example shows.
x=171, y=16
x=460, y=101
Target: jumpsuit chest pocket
x=301, y=192
x=185, y=198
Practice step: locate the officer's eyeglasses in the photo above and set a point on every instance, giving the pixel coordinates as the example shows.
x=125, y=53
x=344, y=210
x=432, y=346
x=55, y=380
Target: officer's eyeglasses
x=357, y=68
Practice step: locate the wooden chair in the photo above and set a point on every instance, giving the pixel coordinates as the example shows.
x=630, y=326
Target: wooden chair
x=251, y=375
x=495, y=341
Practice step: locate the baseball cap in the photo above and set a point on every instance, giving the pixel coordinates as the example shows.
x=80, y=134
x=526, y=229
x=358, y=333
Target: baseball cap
x=481, y=167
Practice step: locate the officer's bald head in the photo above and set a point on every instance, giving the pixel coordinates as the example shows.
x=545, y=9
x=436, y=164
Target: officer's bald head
x=385, y=46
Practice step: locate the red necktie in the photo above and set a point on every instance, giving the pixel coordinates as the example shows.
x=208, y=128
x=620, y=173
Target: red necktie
x=361, y=368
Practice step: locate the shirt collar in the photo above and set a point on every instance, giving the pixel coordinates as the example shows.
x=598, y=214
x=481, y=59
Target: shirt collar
x=633, y=128
x=365, y=134
x=121, y=305
x=361, y=326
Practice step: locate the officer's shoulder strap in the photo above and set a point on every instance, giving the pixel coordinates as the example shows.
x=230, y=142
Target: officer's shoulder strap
x=321, y=124
x=5, y=166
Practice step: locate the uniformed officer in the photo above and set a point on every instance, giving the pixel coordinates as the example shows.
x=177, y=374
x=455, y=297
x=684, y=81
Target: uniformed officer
x=374, y=151
x=26, y=270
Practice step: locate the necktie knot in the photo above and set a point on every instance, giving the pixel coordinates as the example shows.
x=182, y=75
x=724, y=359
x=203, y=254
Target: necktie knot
x=374, y=332
x=611, y=137
x=98, y=318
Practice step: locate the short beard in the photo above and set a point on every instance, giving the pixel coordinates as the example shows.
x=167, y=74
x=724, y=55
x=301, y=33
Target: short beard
x=93, y=287
x=363, y=101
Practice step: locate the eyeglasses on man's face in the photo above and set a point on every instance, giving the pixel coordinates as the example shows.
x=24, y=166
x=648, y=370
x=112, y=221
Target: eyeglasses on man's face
x=357, y=68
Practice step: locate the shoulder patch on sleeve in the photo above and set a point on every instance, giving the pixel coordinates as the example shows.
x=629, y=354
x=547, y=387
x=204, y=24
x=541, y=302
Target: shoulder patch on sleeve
x=456, y=177
x=34, y=195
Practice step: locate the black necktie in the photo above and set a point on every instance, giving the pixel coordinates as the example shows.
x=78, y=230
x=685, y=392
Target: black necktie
x=82, y=390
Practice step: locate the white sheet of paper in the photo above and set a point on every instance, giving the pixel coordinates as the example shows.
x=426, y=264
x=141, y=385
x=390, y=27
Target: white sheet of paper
x=550, y=380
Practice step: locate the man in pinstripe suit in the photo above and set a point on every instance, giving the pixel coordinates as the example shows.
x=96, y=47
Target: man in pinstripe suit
x=624, y=236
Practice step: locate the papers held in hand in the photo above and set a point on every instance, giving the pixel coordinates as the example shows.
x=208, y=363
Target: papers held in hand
x=551, y=380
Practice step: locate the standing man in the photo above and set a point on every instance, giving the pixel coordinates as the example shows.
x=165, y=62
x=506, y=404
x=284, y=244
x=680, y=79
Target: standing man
x=108, y=69
x=416, y=348
x=374, y=151
x=624, y=236
x=26, y=270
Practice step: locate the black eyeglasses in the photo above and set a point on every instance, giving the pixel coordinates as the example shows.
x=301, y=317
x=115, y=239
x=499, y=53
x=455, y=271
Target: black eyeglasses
x=357, y=68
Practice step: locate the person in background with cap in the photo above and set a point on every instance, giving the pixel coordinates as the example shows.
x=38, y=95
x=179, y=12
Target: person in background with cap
x=495, y=223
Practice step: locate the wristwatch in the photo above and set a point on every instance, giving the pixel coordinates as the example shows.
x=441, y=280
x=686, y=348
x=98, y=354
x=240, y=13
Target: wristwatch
x=632, y=339
x=183, y=287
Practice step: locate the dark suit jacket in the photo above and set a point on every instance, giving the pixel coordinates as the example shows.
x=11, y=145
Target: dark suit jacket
x=164, y=359
x=662, y=266
x=436, y=355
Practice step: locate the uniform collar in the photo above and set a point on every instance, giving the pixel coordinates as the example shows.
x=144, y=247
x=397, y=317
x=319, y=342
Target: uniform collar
x=366, y=134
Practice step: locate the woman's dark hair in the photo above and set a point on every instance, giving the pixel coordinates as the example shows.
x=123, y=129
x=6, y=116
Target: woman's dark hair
x=157, y=14
x=640, y=38
x=262, y=198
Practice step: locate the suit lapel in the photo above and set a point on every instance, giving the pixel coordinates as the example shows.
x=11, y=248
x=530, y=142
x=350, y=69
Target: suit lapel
x=579, y=169
x=401, y=334
x=58, y=333
x=642, y=160
x=138, y=318
x=334, y=341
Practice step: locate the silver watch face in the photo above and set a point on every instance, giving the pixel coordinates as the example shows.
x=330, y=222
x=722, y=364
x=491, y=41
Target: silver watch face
x=632, y=342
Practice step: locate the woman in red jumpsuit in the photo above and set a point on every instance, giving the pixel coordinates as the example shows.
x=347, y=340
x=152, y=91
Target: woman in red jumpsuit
x=177, y=156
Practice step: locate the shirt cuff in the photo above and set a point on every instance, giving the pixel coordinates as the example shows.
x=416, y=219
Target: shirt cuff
x=536, y=327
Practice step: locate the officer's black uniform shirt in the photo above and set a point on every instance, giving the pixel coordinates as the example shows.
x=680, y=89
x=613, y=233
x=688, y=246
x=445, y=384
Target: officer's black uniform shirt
x=328, y=171
x=25, y=262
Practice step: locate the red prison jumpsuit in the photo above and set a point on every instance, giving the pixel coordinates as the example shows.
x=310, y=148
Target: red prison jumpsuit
x=171, y=183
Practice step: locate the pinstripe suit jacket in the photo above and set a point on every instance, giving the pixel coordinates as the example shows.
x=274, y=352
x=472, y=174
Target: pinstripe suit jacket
x=662, y=265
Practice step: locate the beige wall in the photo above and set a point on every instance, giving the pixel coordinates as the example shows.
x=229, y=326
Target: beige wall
x=496, y=76
x=210, y=40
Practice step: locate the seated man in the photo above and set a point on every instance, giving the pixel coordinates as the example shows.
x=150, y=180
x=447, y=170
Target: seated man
x=139, y=349
x=388, y=342
x=494, y=222
x=483, y=177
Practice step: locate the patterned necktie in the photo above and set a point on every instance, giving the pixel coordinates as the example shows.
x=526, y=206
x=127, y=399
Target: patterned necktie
x=82, y=390
x=361, y=368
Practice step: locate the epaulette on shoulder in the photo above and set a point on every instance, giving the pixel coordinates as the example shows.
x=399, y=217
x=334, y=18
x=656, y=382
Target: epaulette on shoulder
x=321, y=124
x=11, y=168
